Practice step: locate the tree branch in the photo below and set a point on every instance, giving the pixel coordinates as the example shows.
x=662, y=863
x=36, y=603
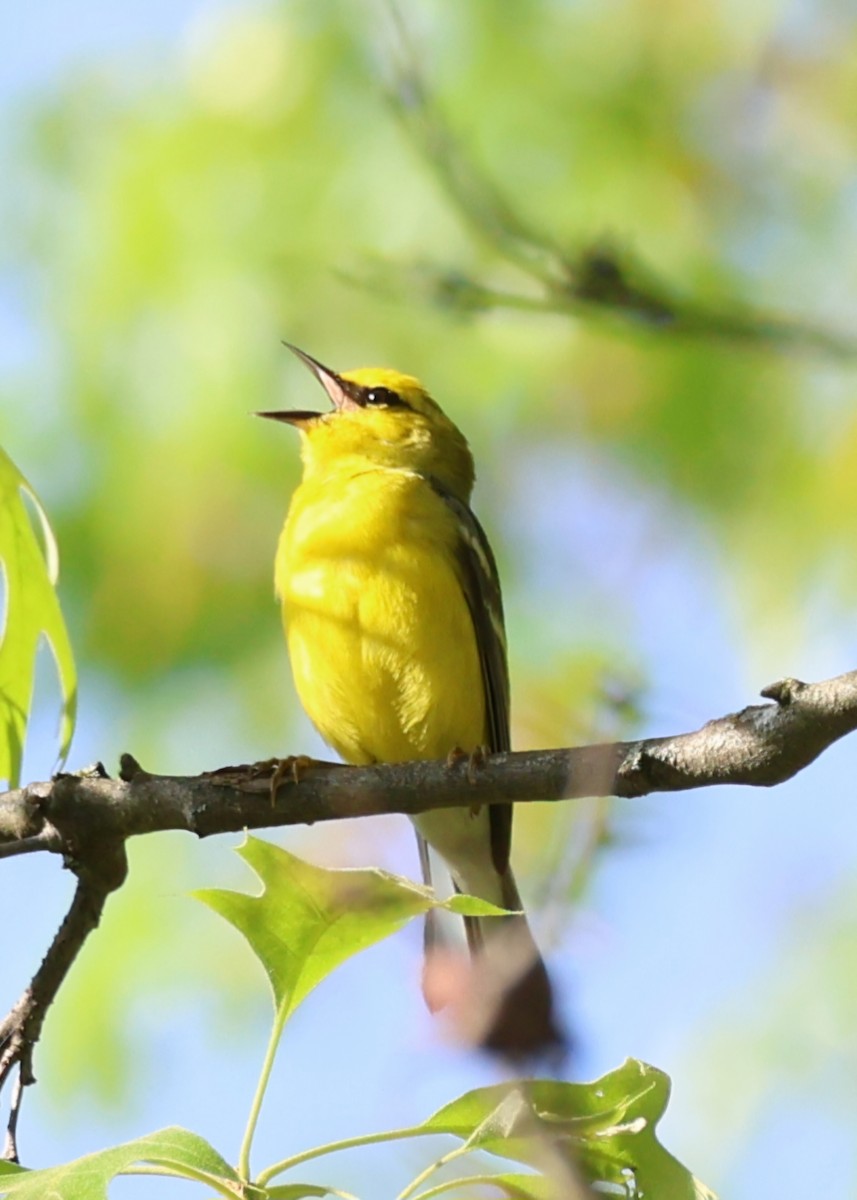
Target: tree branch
x=760, y=746
x=100, y=869
x=88, y=817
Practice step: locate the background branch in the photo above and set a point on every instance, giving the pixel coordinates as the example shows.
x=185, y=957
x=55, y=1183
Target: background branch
x=596, y=277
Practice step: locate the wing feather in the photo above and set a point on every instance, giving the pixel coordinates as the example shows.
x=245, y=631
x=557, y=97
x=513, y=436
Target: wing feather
x=480, y=583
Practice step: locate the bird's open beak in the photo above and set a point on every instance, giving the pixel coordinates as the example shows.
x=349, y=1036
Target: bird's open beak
x=337, y=389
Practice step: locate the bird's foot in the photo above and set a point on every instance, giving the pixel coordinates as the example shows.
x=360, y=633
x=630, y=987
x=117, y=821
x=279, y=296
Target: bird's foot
x=246, y=770
x=475, y=759
x=292, y=768
x=455, y=756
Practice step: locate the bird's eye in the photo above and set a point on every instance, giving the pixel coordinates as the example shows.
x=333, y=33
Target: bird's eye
x=382, y=397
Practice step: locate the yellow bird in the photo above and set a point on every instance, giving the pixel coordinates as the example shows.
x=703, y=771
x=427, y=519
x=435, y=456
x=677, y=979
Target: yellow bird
x=393, y=617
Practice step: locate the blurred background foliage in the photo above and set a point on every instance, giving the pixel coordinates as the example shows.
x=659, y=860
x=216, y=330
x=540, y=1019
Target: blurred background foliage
x=664, y=498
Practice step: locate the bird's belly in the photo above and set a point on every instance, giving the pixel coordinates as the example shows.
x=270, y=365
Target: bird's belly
x=384, y=656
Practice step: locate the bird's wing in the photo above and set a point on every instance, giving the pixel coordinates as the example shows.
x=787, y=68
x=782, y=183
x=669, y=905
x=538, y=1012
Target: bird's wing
x=477, y=573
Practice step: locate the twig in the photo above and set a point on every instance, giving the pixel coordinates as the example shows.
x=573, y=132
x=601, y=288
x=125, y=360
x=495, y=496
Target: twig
x=10, y=1149
x=101, y=868
x=593, y=278
x=48, y=839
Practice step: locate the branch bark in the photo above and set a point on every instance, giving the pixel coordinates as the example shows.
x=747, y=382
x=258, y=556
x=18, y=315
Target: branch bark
x=98, y=859
x=88, y=817
x=760, y=746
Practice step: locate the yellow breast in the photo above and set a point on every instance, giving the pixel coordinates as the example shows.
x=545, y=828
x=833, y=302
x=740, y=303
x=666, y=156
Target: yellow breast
x=379, y=634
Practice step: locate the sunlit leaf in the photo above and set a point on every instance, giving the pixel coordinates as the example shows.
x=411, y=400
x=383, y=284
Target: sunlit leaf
x=308, y=920
x=178, y=1150
x=607, y=1128
x=32, y=612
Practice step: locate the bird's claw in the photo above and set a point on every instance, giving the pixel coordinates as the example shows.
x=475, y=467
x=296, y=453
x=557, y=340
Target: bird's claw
x=475, y=760
x=455, y=756
x=292, y=768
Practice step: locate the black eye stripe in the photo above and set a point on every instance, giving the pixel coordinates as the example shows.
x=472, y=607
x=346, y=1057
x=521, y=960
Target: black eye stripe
x=382, y=397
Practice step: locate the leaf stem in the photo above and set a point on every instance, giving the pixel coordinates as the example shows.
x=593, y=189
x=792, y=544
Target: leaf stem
x=366, y=1139
x=259, y=1095
x=498, y=1181
x=450, y=1156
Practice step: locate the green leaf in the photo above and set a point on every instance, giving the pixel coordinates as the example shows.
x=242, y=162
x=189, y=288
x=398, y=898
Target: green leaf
x=607, y=1127
x=177, y=1150
x=305, y=923
x=32, y=611
x=470, y=906
x=308, y=920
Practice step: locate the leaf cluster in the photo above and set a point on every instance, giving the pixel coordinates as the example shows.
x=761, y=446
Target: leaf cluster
x=307, y=921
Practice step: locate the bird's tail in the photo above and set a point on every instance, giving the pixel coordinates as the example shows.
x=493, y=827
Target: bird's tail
x=511, y=1002
x=516, y=994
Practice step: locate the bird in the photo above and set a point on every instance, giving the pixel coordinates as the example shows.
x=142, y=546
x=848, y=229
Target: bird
x=393, y=617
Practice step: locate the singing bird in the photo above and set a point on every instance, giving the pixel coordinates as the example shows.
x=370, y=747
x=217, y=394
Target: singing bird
x=393, y=617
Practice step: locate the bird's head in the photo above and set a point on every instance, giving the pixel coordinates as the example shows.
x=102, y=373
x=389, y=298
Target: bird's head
x=381, y=418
